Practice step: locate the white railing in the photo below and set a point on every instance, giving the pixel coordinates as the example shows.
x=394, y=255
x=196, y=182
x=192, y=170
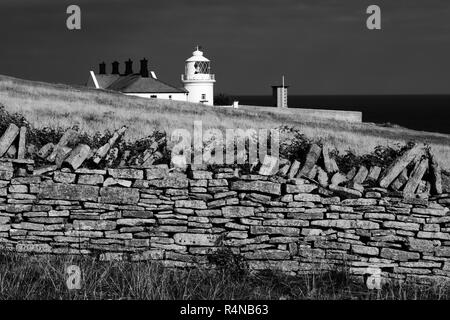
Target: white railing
x=199, y=76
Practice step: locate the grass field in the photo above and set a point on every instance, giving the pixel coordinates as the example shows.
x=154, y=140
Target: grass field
x=43, y=277
x=92, y=110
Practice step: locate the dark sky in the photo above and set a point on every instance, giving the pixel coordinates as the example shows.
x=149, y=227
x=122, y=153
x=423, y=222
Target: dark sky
x=322, y=46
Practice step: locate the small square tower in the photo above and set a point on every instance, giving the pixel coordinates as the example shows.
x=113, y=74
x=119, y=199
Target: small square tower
x=279, y=95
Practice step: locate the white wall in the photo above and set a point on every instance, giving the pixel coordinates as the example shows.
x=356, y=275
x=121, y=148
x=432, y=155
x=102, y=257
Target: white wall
x=168, y=96
x=196, y=90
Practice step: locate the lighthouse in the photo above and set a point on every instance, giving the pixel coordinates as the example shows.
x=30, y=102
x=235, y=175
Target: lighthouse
x=198, y=80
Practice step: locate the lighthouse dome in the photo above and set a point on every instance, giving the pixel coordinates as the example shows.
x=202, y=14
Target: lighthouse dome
x=197, y=56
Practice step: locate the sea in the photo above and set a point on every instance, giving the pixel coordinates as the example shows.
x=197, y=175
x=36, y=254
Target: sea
x=419, y=112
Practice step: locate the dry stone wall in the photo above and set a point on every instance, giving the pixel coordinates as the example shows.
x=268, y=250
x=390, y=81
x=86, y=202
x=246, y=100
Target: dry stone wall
x=179, y=218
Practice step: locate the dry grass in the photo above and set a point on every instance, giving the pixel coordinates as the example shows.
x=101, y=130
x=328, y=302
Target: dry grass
x=93, y=110
x=43, y=277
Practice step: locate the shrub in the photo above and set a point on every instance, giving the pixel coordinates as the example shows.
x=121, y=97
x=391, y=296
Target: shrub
x=228, y=262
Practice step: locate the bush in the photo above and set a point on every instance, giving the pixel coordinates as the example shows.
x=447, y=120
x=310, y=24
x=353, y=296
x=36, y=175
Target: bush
x=228, y=262
x=382, y=156
x=223, y=99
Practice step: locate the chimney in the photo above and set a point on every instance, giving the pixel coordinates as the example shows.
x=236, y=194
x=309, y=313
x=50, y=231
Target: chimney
x=144, y=68
x=128, y=67
x=102, y=68
x=115, y=68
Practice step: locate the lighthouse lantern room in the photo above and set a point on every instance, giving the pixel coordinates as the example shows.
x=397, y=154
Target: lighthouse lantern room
x=198, y=80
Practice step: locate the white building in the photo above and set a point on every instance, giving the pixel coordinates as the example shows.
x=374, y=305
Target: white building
x=143, y=84
x=198, y=80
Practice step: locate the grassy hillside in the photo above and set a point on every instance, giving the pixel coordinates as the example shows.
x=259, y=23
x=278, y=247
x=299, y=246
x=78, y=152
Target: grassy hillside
x=93, y=110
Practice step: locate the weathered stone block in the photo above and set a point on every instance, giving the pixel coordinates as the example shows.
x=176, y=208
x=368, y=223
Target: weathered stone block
x=193, y=239
x=345, y=192
x=307, y=197
x=36, y=248
x=200, y=175
x=68, y=192
x=398, y=255
x=365, y=250
x=117, y=182
x=421, y=245
x=91, y=179
x=430, y=211
x=359, y=202
x=346, y=224
x=191, y=204
x=433, y=235
x=401, y=225
x=171, y=181
x=126, y=173
x=257, y=186
x=94, y=225
x=119, y=195
x=157, y=172
x=286, y=222
x=300, y=188
x=269, y=166
x=286, y=231
x=267, y=255
x=237, y=212
x=281, y=265
x=64, y=177
x=135, y=222
x=208, y=213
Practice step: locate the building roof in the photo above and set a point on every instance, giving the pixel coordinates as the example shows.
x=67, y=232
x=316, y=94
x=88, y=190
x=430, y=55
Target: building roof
x=197, y=56
x=134, y=83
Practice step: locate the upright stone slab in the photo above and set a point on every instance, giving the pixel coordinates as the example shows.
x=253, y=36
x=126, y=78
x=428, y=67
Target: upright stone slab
x=329, y=163
x=374, y=173
x=269, y=166
x=311, y=160
x=61, y=154
x=416, y=176
x=338, y=178
x=103, y=150
x=293, y=170
x=69, y=137
x=46, y=150
x=436, y=176
x=399, y=164
x=361, y=175
x=400, y=181
x=8, y=138
x=22, y=143
x=322, y=177
x=284, y=168
x=77, y=156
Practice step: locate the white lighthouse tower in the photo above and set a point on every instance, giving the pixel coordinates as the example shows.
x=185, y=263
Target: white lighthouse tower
x=198, y=80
